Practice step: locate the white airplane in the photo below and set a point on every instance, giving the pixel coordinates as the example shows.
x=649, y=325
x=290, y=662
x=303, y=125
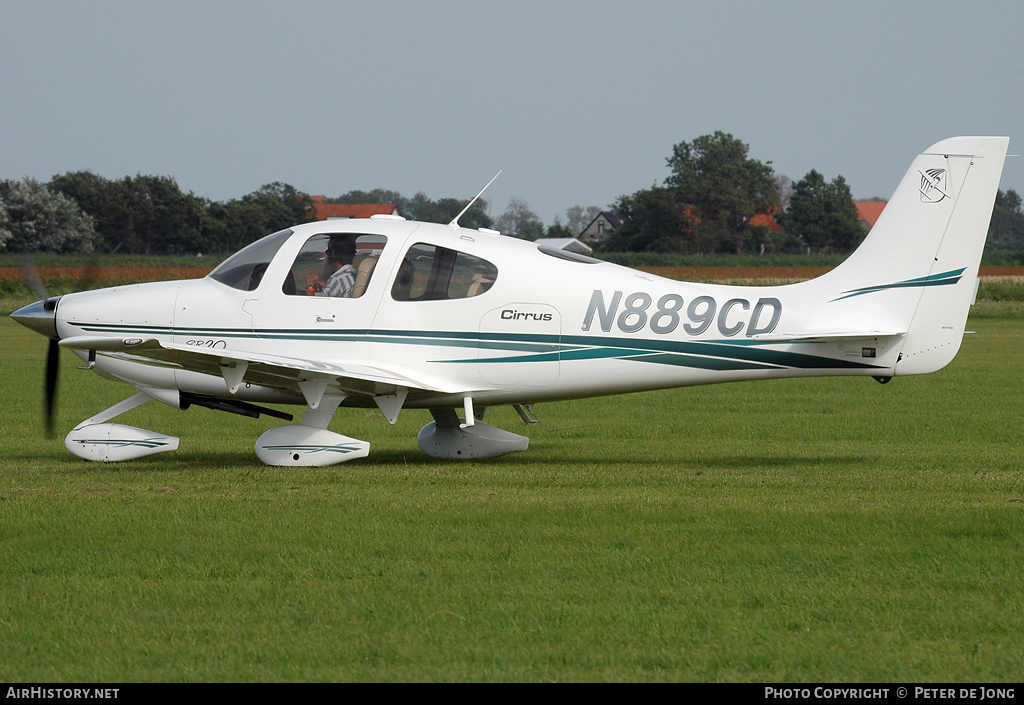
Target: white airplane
x=453, y=320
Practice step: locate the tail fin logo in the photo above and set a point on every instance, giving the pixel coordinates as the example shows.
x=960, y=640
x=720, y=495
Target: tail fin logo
x=933, y=185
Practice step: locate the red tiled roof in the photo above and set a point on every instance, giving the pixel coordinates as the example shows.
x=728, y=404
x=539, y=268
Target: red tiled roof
x=868, y=211
x=350, y=210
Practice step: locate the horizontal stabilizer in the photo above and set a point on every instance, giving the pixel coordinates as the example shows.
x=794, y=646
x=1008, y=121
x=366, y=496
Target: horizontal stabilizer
x=826, y=337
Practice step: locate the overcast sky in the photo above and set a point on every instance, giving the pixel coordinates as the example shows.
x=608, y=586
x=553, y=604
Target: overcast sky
x=576, y=102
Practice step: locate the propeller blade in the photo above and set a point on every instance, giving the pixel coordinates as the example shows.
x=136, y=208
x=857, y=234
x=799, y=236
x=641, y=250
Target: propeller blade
x=31, y=274
x=52, y=366
x=40, y=317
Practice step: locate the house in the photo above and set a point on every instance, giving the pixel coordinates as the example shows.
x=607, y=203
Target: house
x=601, y=227
x=327, y=211
x=763, y=220
x=868, y=212
x=569, y=244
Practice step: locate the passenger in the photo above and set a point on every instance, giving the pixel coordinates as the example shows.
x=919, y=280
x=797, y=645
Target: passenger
x=402, y=289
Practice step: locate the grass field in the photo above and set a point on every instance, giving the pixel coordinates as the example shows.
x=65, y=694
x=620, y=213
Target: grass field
x=832, y=530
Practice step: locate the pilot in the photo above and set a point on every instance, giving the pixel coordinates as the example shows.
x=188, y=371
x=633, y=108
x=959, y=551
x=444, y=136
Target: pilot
x=340, y=274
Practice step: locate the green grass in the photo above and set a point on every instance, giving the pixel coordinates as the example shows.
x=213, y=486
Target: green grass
x=828, y=530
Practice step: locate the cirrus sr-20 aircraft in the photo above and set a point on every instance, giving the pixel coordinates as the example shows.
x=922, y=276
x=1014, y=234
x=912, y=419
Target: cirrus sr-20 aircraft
x=452, y=320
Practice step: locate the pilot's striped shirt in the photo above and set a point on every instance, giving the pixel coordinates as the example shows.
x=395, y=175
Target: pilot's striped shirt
x=341, y=282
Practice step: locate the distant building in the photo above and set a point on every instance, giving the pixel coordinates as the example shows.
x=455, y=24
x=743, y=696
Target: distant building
x=570, y=244
x=601, y=227
x=327, y=211
x=868, y=212
x=763, y=220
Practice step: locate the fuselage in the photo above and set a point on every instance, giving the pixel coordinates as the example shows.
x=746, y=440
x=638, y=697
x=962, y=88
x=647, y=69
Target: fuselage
x=465, y=311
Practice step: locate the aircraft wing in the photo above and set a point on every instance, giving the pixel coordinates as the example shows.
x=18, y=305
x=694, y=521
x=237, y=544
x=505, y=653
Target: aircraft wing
x=309, y=377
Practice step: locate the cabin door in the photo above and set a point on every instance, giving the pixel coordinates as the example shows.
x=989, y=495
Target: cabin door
x=519, y=345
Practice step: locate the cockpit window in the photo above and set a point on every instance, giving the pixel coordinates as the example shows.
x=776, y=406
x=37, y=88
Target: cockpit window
x=244, y=270
x=339, y=265
x=432, y=273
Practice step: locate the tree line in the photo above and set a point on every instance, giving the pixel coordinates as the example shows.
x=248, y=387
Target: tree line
x=719, y=200
x=716, y=199
x=149, y=215
x=83, y=212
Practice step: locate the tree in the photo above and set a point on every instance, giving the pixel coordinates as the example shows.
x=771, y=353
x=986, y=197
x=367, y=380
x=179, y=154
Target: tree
x=377, y=195
x=444, y=210
x=5, y=226
x=784, y=186
x=704, y=205
x=231, y=225
x=475, y=217
x=1006, y=229
x=164, y=219
x=104, y=200
x=714, y=175
x=139, y=214
x=421, y=207
x=286, y=204
x=823, y=214
x=519, y=221
x=577, y=218
x=557, y=229
x=37, y=219
x=654, y=220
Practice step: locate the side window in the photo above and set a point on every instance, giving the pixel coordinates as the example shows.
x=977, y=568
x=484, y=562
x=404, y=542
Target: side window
x=431, y=273
x=471, y=276
x=334, y=264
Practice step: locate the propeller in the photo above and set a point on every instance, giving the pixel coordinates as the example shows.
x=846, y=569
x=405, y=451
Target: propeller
x=41, y=317
x=52, y=366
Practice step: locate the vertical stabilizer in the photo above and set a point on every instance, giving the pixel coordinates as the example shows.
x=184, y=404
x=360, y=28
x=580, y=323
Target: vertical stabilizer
x=938, y=324
x=917, y=269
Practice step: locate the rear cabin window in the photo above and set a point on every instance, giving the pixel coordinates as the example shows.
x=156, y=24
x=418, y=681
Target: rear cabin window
x=432, y=273
x=338, y=265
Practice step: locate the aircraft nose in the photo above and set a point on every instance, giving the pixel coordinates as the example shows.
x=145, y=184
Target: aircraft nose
x=39, y=317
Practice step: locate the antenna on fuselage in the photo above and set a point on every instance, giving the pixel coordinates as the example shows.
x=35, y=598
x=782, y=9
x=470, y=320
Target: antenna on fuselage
x=455, y=220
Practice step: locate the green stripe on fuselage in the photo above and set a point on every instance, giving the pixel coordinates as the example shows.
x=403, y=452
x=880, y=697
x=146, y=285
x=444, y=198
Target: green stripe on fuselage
x=712, y=354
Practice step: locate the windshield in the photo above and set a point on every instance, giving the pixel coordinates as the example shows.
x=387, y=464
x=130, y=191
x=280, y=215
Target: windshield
x=244, y=270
